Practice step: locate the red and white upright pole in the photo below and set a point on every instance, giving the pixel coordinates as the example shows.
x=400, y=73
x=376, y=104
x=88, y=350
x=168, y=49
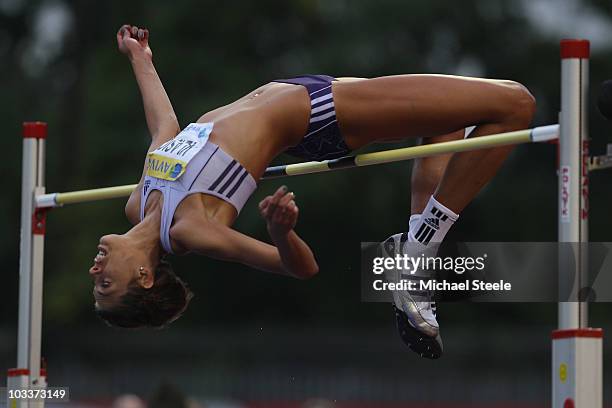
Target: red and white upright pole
x=29, y=374
x=577, y=349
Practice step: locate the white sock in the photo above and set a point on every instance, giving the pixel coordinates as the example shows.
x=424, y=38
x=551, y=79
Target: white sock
x=414, y=220
x=433, y=224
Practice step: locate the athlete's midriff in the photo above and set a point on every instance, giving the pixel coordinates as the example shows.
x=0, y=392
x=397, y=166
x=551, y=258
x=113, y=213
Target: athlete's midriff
x=261, y=125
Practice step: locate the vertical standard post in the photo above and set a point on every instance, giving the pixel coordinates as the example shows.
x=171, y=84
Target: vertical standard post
x=39, y=220
x=28, y=372
x=574, y=68
x=577, y=350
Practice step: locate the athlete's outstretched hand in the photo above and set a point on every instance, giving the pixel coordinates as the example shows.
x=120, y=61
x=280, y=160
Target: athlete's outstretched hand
x=280, y=212
x=134, y=42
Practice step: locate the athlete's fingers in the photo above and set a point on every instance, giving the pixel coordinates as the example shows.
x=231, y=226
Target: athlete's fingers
x=285, y=218
x=282, y=212
x=286, y=198
x=280, y=192
x=290, y=212
x=128, y=35
x=288, y=207
x=121, y=31
x=265, y=202
x=278, y=215
x=279, y=218
x=126, y=32
x=123, y=38
x=283, y=208
x=264, y=207
x=291, y=216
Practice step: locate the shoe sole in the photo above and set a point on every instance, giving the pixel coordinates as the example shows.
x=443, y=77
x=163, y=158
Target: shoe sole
x=425, y=346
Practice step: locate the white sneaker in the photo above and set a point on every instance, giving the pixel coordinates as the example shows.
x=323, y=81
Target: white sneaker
x=415, y=311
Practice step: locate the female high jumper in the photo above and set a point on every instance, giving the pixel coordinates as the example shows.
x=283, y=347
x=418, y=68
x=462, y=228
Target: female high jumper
x=196, y=181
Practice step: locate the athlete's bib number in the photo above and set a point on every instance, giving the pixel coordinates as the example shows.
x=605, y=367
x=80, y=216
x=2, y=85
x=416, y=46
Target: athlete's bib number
x=170, y=160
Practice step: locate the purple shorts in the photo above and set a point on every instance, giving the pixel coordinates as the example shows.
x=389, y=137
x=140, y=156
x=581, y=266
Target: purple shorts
x=323, y=139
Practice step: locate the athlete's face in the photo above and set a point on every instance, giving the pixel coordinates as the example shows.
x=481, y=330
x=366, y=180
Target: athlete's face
x=115, y=268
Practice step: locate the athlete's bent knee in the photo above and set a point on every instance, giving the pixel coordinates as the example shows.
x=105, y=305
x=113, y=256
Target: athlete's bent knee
x=522, y=104
x=307, y=273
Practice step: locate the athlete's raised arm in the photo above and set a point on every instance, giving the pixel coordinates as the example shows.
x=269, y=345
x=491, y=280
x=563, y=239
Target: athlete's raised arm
x=161, y=119
x=289, y=255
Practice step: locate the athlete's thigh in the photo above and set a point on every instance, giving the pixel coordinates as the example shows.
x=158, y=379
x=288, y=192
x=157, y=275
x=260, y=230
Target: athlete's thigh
x=406, y=106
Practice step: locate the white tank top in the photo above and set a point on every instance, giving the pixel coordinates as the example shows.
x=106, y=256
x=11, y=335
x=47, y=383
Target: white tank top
x=209, y=170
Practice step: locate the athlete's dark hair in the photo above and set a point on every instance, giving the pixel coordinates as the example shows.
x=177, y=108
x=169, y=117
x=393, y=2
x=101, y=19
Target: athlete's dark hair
x=156, y=307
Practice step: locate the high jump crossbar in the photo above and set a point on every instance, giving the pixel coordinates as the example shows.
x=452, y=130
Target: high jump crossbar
x=538, y=134
x=577, y=373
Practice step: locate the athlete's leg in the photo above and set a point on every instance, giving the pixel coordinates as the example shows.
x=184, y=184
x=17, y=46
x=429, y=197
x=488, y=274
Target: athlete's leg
x=432, y=105
x=468, y=172
x=427, y=173
x=408, y=106
x=427, y=105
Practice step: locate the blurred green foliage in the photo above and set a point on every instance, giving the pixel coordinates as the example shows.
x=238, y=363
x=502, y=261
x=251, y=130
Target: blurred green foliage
x=209, y=53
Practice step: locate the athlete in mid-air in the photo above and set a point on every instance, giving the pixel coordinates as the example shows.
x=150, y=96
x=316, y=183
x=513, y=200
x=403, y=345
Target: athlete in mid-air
x=196, y=181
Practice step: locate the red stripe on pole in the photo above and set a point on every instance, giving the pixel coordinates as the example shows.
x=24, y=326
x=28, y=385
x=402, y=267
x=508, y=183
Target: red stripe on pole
x=575, y=49
x=36, y=130
x=572, y=333
x=16, y=372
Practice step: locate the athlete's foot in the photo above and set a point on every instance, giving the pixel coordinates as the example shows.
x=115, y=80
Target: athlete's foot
x=423, y=345
x=415, y=310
